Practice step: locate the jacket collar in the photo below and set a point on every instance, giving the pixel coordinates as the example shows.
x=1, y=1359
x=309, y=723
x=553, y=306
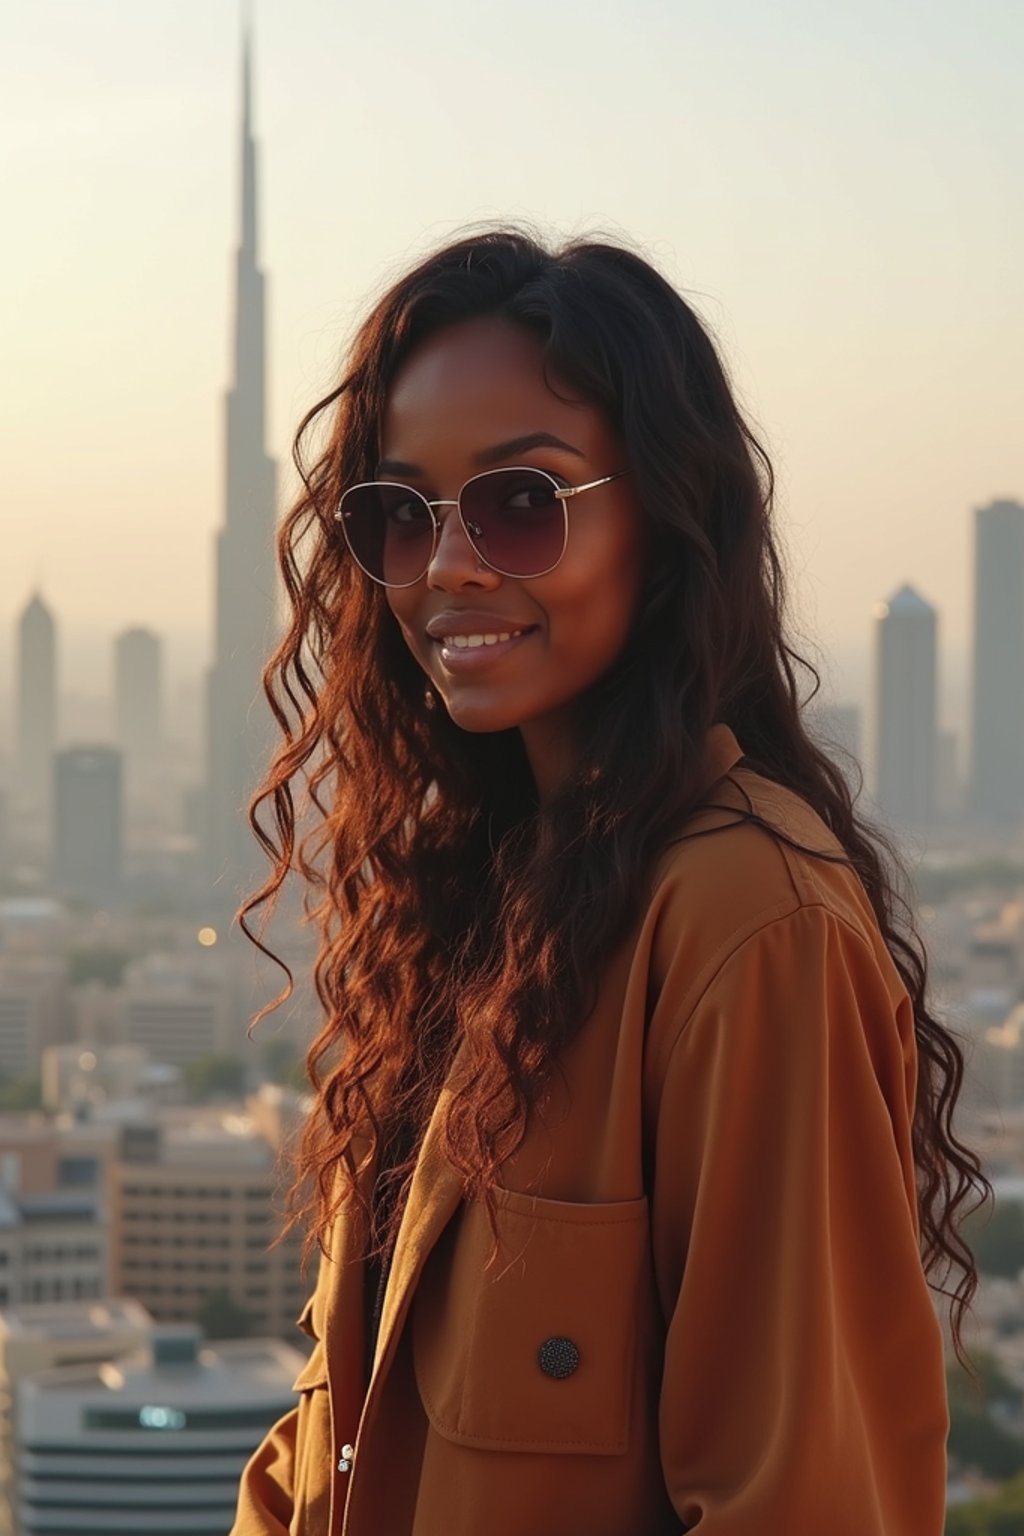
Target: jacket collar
x=721, y=753
x=434, y=1195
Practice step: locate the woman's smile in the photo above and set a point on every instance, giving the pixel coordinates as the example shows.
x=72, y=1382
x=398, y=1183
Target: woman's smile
x=468, y=653
x=469, y=638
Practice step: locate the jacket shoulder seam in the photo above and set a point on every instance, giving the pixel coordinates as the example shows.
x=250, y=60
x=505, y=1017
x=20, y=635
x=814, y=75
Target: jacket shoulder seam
x=783, y=818
x=732, y=947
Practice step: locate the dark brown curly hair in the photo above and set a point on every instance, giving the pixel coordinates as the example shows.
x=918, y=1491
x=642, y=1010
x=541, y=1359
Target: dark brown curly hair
x=450, y=905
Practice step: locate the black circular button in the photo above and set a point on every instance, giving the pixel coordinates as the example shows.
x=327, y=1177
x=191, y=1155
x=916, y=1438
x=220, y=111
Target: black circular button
x=558, y=1357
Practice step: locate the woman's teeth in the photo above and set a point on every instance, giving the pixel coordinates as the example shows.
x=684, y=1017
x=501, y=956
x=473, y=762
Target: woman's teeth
x=460, y=642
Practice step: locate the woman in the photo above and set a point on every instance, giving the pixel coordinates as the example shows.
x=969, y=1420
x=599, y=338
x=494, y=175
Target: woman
x=630, y=1120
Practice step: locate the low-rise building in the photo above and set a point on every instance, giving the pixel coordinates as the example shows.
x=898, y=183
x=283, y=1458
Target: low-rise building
x=53, y=1247
x=29, y=1155
x=33, y=1011
x=197, y=1208
x=154, y=1442
x=178, y=1008
x=45, y=1336
x=76, y=1075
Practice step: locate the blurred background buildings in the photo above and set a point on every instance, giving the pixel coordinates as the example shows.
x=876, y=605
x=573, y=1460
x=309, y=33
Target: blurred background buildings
x=146, y=1312
x=142, y=1142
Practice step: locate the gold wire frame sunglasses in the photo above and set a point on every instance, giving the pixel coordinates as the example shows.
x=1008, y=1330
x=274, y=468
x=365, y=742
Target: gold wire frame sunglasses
x=515, y=519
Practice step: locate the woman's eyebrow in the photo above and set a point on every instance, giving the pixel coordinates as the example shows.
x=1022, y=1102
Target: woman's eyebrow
x=508, y=450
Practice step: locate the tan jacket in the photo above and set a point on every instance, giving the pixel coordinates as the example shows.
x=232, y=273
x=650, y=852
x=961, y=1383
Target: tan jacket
x=710, y=1310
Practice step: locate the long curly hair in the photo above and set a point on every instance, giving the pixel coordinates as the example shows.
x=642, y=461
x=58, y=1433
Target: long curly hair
x=451, y=907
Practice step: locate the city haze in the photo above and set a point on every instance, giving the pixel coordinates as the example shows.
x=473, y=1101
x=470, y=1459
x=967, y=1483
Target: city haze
x=838, y=197
x=837, y=194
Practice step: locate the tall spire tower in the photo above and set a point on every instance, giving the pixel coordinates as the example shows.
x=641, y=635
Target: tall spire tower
x=36, y=710
x=239, y=726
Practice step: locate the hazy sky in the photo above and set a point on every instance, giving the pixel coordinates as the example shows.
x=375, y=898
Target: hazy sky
x=836, y=188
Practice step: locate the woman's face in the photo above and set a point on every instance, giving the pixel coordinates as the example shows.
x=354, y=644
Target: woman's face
x=462, y=394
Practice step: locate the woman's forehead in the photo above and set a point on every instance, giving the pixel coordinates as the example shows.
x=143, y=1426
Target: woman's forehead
x=482, y=379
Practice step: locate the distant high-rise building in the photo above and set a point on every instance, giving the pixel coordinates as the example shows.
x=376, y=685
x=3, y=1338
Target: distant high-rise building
x=997, y=727
x=239, y=725
x=138, y=706
x=36, y=706
x=5, y=830
x=948, y=795
x=88, y=825
x=837, y=726
x=906, y=693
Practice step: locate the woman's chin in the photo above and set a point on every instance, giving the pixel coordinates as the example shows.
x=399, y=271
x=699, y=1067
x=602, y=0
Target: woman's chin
x=482, y=715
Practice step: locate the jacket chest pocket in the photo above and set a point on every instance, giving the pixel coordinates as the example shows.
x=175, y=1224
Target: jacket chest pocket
x=537, y=1353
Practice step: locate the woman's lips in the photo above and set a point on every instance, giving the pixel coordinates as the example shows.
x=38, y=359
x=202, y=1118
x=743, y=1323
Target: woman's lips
x=472, y=658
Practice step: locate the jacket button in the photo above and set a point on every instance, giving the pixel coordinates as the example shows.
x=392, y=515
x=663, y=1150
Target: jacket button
x=558, y=1357
x=347, y=1456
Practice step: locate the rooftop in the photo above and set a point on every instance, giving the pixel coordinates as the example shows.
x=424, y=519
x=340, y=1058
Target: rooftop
x=73, y=1320
x=19, y=1210
x=226, y=1373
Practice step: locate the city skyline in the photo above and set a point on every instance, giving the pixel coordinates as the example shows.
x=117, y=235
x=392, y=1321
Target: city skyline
x=839, y=268
x=836, y=195
x=87, y=682
x=998, y=603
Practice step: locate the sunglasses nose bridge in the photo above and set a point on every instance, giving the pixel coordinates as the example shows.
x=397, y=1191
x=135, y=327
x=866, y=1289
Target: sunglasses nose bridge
x=441, y=522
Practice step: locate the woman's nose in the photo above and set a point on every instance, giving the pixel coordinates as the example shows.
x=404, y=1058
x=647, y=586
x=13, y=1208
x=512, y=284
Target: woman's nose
x=454, y=557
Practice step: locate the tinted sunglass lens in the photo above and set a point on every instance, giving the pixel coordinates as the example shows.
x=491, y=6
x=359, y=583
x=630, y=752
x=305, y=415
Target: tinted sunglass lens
x=389, y=530
x=515, y=520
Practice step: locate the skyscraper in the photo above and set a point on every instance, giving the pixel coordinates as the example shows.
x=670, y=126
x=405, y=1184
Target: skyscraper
x=906, y=732
x=239, y=725
x=36, y=706
x=997, y=726
x=138, y=688
x=88, y=826
x=838, y=726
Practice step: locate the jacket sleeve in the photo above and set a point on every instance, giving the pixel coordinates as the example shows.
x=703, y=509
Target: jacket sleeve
x=265, y=1493
x=804, y=1376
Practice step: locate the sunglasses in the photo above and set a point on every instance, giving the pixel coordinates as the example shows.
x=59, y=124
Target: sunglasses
x=515, y=519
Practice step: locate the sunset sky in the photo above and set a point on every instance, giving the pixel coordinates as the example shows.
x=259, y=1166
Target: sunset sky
x=837, y=189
